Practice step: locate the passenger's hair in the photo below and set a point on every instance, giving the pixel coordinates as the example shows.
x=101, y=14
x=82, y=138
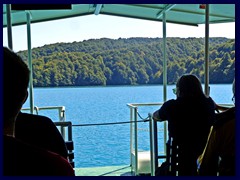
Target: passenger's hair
x=189, y=85
x=15, y=83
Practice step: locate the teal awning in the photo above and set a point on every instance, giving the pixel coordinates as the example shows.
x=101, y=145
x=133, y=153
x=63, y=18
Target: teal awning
x=189, y=14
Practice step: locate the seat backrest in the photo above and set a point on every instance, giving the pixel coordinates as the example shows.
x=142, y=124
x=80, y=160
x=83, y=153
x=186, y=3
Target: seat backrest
x=172, y=156
x=40, y=131
x=182, y=158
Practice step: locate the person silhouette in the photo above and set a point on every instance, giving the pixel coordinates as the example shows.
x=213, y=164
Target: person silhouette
x=189, y=117
x=20, y=158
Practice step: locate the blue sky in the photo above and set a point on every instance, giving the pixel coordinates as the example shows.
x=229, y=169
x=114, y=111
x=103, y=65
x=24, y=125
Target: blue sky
x=95, y=27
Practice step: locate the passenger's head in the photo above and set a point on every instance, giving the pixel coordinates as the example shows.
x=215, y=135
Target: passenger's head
x=15, y=84
x=189, y=86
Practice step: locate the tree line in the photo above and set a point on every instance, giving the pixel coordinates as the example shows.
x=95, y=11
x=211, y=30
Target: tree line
x=129, y=61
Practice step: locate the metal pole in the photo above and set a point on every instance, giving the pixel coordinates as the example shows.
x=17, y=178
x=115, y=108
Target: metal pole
x=164, y=59
x=131, y=138
x=61, y=112
x=206, y=50
x=69, y=131
x=9, y=26
x=136, y=141
x=152, y=145
x=30, y=61
x=155, y=136
x=164, y=74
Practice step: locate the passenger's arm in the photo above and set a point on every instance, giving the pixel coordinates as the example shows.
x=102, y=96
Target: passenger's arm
x=162, y=113
x=156, y=116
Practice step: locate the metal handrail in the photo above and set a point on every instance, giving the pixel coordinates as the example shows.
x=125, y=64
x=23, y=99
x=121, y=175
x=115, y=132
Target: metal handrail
x=134, y=134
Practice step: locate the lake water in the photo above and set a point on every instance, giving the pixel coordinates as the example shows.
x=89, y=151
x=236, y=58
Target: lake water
x=108, y=145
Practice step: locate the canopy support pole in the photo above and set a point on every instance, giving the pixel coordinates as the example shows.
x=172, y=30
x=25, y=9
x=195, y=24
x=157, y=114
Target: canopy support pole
x=206, y=71
x=164, y=73
x=164, y=60
x=9, y=26
x=30, y=61
x=98, y=9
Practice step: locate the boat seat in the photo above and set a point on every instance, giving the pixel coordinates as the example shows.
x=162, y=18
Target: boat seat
x=170, y=166
x=172, y=157
x=175, y=156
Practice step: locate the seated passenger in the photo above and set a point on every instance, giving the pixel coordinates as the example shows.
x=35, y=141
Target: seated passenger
x=219, y=153
x=40, y=131
x=20, y=158
x=189, y=117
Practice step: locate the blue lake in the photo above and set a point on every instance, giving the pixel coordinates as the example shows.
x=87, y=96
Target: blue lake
x=108, y=145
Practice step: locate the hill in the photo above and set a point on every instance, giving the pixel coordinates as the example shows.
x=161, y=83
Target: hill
x=129, y=61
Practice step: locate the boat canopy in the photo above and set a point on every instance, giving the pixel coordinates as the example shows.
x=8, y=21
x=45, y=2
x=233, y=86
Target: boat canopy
x=188, y=14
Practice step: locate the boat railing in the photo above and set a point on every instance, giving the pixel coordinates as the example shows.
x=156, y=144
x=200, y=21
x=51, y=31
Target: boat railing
x=134, y=152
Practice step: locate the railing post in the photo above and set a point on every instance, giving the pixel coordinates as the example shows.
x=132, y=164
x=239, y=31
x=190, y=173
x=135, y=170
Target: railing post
x=70, y=131
x=131, y=141
x=62, y=118
x=136, y=140
x=152, y=143
x=155, y=136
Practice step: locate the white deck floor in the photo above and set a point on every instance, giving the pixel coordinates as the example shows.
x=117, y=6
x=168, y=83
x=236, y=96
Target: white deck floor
x=124, y=170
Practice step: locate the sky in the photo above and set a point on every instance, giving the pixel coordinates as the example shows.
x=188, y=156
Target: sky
x=103, y=26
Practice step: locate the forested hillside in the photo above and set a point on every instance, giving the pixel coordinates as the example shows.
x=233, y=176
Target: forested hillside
x=129, y=61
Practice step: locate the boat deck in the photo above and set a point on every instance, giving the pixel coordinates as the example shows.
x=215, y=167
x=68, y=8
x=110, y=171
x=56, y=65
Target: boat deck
x=123, y=170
